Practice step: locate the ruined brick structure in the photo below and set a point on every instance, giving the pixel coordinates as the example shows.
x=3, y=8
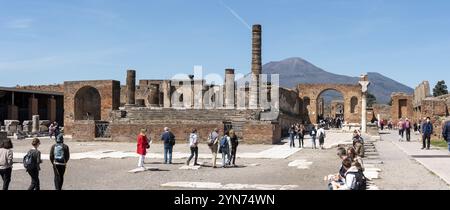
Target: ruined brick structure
x=402, y=106
x=310, y=93
x=380, y=112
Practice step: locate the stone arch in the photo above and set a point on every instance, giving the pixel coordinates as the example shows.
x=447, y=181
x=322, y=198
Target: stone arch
x=353, y=105
x=339, y=108
x=313, y=91
x=87, y=104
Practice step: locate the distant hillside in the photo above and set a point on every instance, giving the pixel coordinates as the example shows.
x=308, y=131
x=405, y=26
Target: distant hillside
x=293, y=71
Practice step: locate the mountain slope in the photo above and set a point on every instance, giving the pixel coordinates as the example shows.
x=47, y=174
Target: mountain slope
x=293, y=71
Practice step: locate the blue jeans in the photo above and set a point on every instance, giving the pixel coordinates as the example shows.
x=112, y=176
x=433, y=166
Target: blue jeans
x=291, y=142
x=225, y=157
x=168, y=150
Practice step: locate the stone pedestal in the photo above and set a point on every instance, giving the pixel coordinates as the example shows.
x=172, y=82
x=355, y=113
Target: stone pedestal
x=35, y=124
x=229, y=88
x=11, y=126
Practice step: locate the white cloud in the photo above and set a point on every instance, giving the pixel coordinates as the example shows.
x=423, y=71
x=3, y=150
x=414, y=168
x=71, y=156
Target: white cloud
x=22, y=23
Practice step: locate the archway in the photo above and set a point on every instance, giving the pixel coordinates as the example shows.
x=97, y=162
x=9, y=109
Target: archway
x=330, y=108
x=87, y=104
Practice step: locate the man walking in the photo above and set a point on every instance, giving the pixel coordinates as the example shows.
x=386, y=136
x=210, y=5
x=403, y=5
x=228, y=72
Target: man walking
x=193, y=145
x=446, y=132
x=59, y=156
x=169, y=142
x=214, y=145
x=427, y=130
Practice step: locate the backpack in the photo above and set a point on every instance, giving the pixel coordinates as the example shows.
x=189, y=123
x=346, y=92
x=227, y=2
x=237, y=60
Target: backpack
x=322, y=135
x=59, y=153
x=359, y=182
x=224, y=143
x=28, y=161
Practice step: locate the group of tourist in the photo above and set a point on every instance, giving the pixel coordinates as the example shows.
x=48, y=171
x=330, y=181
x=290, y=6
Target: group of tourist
x=54, y=130
x=226, y=145
x=298, y=131
x=59, y=156
x=351, y=172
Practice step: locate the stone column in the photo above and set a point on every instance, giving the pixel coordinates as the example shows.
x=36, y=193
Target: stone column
x=35, y=124
x=51, y=109
x=229, y=88
x=364, y=82
x=131, y=88
x=32, y=106
x=256, y=66
x=166, y=93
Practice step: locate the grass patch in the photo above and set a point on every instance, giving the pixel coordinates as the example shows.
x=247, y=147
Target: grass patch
x=439, y=143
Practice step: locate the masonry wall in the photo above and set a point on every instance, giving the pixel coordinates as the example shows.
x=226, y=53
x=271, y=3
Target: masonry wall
x=383, y=110
x=289, y=101
x=109, y=91
x=47, y=88
x=406, y=111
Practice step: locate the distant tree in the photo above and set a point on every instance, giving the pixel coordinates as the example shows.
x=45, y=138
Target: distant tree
x=371, y=99
x=440, y=89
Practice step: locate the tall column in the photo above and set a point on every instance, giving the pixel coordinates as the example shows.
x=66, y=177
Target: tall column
x=229, y=88
x=364, y=82
x=51, y=109
x=256, y=66
x=32, y=106
x=166, y=93
x=131, y=87
x=13, y=110
x=35, y=124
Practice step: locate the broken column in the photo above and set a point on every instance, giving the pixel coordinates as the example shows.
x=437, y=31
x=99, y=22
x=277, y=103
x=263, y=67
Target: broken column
x=166, y=93
x=131, y=88
x=32, y=106
x=229, y=88
x=364, y=82
x=256, y=66
x=35, y=124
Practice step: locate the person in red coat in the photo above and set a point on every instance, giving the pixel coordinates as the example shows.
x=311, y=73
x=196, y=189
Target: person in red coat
x=142, y=146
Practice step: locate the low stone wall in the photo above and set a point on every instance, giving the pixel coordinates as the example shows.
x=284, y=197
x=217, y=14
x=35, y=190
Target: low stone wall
x=83, y=130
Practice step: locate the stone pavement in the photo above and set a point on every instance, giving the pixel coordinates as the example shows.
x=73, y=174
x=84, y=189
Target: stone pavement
x=436, y=160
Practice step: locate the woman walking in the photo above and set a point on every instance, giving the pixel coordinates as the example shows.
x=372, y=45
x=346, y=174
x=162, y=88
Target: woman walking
x=6, y=162
x=142, y=145
x=234, y=144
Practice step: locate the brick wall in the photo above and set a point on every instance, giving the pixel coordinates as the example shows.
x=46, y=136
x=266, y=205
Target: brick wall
x=47, y=88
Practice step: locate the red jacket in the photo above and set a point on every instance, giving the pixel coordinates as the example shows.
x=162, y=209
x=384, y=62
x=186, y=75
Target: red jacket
x=142, y=143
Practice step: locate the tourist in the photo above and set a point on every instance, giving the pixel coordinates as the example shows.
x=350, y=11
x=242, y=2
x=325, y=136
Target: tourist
x=382, y=124
x=313, y=135
x=59, y=156
x=213, y=143
x=57, y=129
x=193, y=145
x=351, y=153
x=338, y=180
x=301, y=136
x=401, y=129
x=224, y=148
x=143, y=144
x=234, y=144
x=322, y=136
x=427, y=130
x=390, y=125
x=342, y=154
x=169, y=142
x=292, y=136
x=446, y=132
x=358, y=143
x=6, y=162
x=51, y=130
x=407, y=125
x=354, y=179
x=33, y=161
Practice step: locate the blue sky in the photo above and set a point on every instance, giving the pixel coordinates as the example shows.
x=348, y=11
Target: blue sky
x=50, y=41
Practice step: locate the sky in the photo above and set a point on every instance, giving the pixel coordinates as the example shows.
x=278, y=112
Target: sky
x=52, y=41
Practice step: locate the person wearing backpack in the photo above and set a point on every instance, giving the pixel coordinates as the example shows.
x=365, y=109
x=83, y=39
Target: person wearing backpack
x=169, y=142
x=59, y=156
x=313, y=135
x=408, y=129
x=213, y=143
x=193, y=145
x=6, y=162
x=322, y=136
x=224, y=148
x=234, y=144
x=354, y=178
x=32, y=162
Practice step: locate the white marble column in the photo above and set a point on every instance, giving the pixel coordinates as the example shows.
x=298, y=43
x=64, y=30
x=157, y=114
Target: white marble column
x=364, y=84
